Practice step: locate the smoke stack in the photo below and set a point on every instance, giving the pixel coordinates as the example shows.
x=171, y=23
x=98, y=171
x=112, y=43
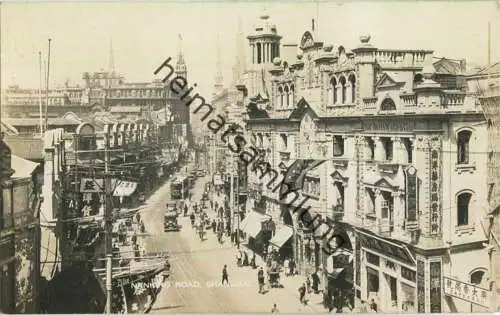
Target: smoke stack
x=313, y=25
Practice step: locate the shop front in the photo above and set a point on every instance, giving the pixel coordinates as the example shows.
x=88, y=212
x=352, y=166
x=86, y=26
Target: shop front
x=255, y=228
x=282, y=242
x=387, y=273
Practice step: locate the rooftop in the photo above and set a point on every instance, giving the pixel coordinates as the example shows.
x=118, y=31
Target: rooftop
x=22, y=168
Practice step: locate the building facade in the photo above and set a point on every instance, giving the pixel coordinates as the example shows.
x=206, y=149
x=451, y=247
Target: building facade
x=392, y=144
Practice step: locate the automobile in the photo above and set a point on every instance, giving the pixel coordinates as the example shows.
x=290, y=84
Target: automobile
x=173, y=207
x=200, y=173
x=170, y=221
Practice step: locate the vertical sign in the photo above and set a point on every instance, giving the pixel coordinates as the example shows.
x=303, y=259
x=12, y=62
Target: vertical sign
x=435, y=286
x=357, y=260
x=411, y=195
x=420, y=286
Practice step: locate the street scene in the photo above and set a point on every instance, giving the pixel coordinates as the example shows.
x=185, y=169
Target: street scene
x=322, y=157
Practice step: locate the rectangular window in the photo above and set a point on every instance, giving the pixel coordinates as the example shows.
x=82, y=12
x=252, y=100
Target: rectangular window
x=338, y=146
x=372, y=259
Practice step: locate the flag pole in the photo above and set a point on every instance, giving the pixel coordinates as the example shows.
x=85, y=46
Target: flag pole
x=47, y=87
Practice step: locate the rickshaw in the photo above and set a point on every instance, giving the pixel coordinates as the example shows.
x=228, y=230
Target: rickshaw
x=273, y=274
x=170, y=221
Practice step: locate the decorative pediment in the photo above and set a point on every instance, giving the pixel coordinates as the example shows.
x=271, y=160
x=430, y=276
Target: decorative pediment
x=388, y=81
x=338, y=176
x=255, y=113
x=301, y=110
x=307, y=41
x=385, y=183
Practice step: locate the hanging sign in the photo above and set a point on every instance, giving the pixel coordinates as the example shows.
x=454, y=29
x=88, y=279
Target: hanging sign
x=466, y=291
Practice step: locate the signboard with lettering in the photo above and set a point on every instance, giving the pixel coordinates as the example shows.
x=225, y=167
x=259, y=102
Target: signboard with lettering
x=91, y=185
x=386, y=247
x=466, y=291
x=411, y=194
x=420, y=286
x=435, y=286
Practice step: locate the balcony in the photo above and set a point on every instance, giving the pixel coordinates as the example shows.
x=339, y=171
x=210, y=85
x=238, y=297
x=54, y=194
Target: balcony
x=284, y=155
x=338, y=213
x=408, y=100
x=17, y=221
x=370, y=102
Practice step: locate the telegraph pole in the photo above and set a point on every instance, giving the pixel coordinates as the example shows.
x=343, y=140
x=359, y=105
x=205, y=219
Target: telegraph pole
x=108, y=226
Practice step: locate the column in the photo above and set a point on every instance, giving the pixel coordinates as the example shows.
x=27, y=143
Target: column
x=399, y=155
x=378, y=205
x=349, y=147
x=399, y=211
x=339, y=93
x=253, y=53
x=379, y=149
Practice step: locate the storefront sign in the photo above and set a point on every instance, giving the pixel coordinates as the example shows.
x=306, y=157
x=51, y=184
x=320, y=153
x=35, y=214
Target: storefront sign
x=420, y=286
x=466, y=291
x=91, y=185
x=435, y=286
x=411, y=195
x=387, y=248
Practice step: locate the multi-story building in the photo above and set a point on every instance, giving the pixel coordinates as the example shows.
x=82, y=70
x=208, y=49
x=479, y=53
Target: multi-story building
x=19, y=233
x=487, y=83
x=393, y=144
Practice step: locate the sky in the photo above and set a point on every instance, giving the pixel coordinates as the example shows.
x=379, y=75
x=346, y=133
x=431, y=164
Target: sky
x=143, y=34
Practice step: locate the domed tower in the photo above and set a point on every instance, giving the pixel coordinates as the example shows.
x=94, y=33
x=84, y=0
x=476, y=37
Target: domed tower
x=264, y=43
x=180, y=66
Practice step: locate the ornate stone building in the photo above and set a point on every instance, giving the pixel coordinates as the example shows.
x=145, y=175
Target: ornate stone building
x=400, y=181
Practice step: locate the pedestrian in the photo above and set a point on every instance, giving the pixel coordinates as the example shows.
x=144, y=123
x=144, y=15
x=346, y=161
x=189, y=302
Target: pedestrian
x=225, y=276
x=275, y=310
x=211, y=205
x=373, y=306
x=302, y=293
x=292, y=267
x=362, y=307
x=315, y=282
x=308, y=284
x=260, y=279
x=214, y=226
x=286, y=265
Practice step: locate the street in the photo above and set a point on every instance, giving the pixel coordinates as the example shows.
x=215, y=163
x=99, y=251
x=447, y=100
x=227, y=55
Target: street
x=196, y=269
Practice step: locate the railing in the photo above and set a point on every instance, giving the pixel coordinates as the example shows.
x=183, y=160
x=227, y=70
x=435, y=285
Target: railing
x=408, y=100
x=453, y=99
x=17, y=220
x=370, y=102
x=401, y=58
x=338, y=212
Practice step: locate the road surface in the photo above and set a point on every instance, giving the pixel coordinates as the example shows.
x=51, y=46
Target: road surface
x=196, y=269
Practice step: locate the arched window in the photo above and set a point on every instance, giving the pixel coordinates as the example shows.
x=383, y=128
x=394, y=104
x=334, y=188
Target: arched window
x=333, y=81
x=292, y=95
x=463, y=138
x=388, y=104
x=287, y=92
x=280, y=91
x=463, y=203
x=344, y=89
x=352, y=80
x=259, y=53
x=477, y=277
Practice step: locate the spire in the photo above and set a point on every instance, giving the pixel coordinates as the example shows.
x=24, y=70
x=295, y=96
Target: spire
x=239, y=66
x=180, y=67
x=111, y=67
x=218, y=77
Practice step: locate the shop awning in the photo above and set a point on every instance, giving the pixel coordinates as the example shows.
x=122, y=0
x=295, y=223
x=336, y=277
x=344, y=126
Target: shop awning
x=283, y=234
x=124, y=189
x=252, y=224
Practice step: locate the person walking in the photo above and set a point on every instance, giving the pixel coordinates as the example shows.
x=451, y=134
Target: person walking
x=302, y=293
x=274, y=310
x=225, y=276
x=260, y=279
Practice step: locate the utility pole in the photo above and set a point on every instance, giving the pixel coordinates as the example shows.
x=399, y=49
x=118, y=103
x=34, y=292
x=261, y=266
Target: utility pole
x=108, y=226
x=47, y=88
x=40, y=92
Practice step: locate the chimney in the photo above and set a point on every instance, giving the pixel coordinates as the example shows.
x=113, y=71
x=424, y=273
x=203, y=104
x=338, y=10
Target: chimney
x=313, y=25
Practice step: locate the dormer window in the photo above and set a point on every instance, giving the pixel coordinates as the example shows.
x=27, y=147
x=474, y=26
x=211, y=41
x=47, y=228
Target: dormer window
x=333, y=81
x=344, y=89
x=287, y=92
x=387, y=105
x=352, y=81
